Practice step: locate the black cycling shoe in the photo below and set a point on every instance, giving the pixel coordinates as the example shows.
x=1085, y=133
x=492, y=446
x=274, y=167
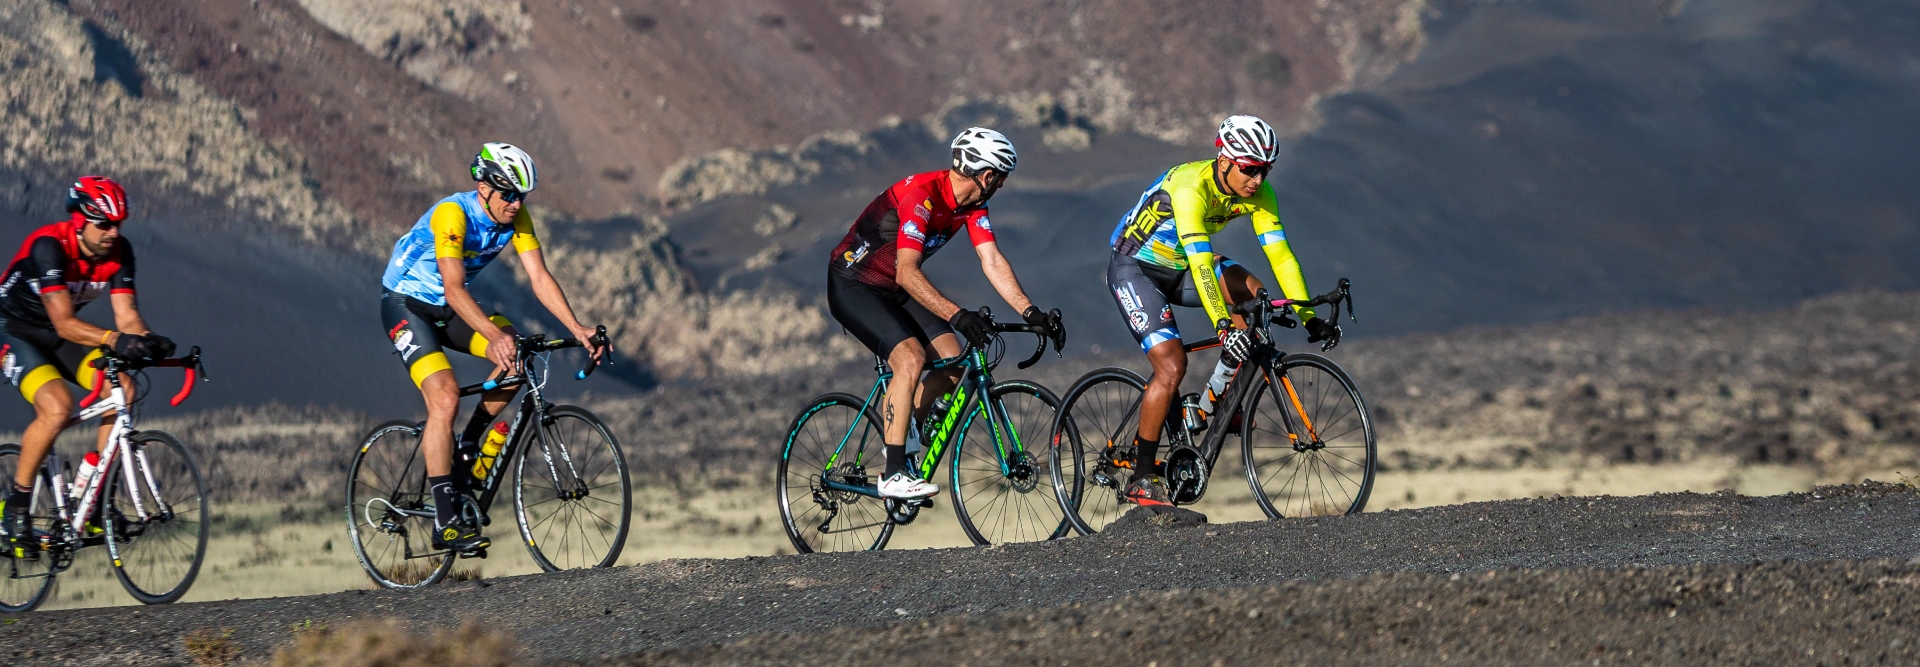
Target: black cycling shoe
x=1148, y=491
x=461, y=537
x=16, y=529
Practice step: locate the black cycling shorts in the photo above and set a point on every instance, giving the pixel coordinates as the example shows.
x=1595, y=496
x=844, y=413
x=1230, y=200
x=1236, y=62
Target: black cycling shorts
x=881, y=318
x=1146, y=295
x=420, y=331
x=31, y=357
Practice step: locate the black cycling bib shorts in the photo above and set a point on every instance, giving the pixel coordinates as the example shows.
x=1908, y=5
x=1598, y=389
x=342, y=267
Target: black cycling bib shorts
x=421, y=332
x=1146, y=295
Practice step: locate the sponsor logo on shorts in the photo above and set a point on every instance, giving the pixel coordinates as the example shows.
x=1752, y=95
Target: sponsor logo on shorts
x=403, y=341
x=1166, y=313
x=1130, y=302
x=10, y=364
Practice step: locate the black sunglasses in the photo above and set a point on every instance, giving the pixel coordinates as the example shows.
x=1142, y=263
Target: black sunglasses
x=1254, y=172
x=506, y=191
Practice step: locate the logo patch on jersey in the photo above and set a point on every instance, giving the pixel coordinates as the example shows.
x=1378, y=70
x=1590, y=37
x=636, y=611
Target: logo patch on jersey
x=912, y=230
x=936, y=241
x=924, y=209
x=985, y=225
x=855, y=255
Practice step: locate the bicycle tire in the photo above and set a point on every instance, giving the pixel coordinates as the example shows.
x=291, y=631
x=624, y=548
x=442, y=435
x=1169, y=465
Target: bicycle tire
x=398, y=442
x=1319, y=467
x=24, y=585
x=1018, y=484
x=157, y=559
x=600, y=469
x=815, y=446
x=1102, y=406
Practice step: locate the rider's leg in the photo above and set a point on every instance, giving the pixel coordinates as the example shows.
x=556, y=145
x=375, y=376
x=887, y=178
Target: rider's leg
x=906, y=359
x=492, y=402
x=52, y=407
x=442, y=394
x=938, y=382
x=1169, y=361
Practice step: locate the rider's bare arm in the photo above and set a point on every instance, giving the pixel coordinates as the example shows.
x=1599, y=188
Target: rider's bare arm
x=126, y=314
x=1000, y=274
x=548, y=291
x=907, y=274
x=59, y=306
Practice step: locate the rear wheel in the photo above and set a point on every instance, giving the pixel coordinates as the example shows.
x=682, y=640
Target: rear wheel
x=1309, y=451
x=157, y=521
x=573, y=496
x=26, y=579
x=390, y=510
x=1099, y=415
x=836, y=438
x=1002, y=471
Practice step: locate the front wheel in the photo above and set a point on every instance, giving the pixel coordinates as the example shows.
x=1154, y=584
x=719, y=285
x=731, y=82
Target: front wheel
x=572, y=494
x=157, y=520
x=1002, y=477
x=26, y=578
x=1098, y=419
x=390, y=510
x=1308, y=444
x=836, y=438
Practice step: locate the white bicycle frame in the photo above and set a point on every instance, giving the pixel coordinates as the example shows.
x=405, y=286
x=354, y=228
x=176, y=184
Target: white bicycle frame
x=116, y=444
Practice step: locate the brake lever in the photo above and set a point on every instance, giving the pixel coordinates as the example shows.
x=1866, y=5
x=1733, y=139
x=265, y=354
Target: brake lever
x=597, y=341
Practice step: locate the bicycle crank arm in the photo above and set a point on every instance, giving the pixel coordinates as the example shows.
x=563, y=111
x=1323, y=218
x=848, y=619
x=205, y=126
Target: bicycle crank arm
x=867, y=490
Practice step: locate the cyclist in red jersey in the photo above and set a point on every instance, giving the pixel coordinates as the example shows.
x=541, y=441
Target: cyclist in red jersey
x=61, y=268
x=876, y=290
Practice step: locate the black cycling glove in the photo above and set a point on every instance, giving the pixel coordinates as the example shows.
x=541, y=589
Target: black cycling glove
x=971, y=326
x=1322, y=330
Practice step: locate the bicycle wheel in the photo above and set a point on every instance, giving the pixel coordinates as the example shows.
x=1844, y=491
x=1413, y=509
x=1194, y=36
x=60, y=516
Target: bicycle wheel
x=1001, y=473
x=158, y=519
x=1308, y=452
x=835, y=438
x=390, y=510
x=1100, y=412
x=28, y=581
x=575, y=506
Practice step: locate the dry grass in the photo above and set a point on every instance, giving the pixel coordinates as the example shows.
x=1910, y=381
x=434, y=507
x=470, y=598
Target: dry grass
x=389, y=643
x=211, y=648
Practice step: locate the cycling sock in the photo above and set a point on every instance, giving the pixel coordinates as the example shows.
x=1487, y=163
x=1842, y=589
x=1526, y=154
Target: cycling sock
x=896, y=459
x=444, y=510
x=1145, y=452
x=477, y=425
x=20, y=491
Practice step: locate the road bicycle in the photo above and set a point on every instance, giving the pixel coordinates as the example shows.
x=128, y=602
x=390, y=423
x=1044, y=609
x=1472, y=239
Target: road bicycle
x=148, y=505
x=571, y=494
x=1306, y=437
x=830, y=463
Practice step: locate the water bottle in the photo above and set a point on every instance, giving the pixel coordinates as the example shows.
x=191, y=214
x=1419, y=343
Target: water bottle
x=1192, y=416
x=490, y=449
x=1217, y=385
x=89, y=469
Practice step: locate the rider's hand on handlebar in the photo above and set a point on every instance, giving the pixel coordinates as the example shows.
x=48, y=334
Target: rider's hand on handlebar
x=1236, y=345
x=971, y=326
x=1321, y=330
x=504, y=352
x=585, y=336
x=142, y=348
x=1049, y=320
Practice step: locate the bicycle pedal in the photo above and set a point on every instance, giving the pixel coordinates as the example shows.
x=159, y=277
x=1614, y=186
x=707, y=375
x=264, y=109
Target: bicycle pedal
x=924, y=502
x=476, y=553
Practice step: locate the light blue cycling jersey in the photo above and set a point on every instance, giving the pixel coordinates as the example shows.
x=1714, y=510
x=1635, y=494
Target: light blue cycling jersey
x=456, y=225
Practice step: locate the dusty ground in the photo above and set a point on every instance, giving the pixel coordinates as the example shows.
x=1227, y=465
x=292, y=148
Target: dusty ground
x=688, y=604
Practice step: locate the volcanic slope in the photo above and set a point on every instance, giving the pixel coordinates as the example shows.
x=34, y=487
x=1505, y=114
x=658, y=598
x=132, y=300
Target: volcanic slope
x=690, y=604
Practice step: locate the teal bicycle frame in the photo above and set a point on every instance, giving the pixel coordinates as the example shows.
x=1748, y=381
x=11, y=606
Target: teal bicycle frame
x=976, y=376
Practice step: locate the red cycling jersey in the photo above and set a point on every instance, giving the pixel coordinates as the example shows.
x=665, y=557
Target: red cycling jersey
x=917, y=213
x=50, y=260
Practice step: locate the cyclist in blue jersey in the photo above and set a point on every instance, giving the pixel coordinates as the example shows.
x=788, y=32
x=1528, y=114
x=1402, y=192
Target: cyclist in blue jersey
x=426, y=309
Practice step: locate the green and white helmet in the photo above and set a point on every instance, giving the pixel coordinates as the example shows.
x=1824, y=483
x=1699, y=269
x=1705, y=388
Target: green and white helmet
x=505, y=167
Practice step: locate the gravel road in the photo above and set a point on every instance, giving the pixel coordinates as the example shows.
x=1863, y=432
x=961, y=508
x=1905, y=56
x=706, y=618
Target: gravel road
x=678, y=610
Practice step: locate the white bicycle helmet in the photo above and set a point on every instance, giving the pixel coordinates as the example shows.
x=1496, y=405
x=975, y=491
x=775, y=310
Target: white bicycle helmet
x=978, y=149
x=505, y=167
x=1248, y=141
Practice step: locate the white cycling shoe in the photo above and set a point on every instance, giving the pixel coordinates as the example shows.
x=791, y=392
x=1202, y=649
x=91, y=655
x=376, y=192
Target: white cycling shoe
x=901, y=486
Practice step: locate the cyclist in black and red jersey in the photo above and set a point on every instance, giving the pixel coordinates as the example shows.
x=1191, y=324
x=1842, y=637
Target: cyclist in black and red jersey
x=61, y=268
x=876, y=290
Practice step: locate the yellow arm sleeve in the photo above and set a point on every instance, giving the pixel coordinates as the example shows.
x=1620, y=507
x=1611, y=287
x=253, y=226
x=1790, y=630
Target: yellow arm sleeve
x=523, y=238
x=1273, y=240
x=449, y=225
x=1189, y=223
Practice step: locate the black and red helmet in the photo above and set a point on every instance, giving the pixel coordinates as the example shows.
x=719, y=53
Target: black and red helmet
x=98, y=198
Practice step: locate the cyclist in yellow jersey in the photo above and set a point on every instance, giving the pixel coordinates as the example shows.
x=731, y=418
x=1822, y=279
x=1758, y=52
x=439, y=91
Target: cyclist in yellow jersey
x=1163, y=255
x=425, y=309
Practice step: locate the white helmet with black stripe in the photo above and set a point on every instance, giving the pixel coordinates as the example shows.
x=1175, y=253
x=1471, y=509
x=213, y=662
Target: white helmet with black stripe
x=978, y=149
x=505, y=167
x=1248, y=141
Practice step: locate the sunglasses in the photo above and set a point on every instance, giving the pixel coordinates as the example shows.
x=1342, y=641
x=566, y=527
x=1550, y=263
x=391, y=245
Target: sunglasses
x=1251, y=171
x=506, y=191
x=103, y=224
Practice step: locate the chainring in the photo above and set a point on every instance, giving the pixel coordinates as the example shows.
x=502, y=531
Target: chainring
x=1187, y=475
